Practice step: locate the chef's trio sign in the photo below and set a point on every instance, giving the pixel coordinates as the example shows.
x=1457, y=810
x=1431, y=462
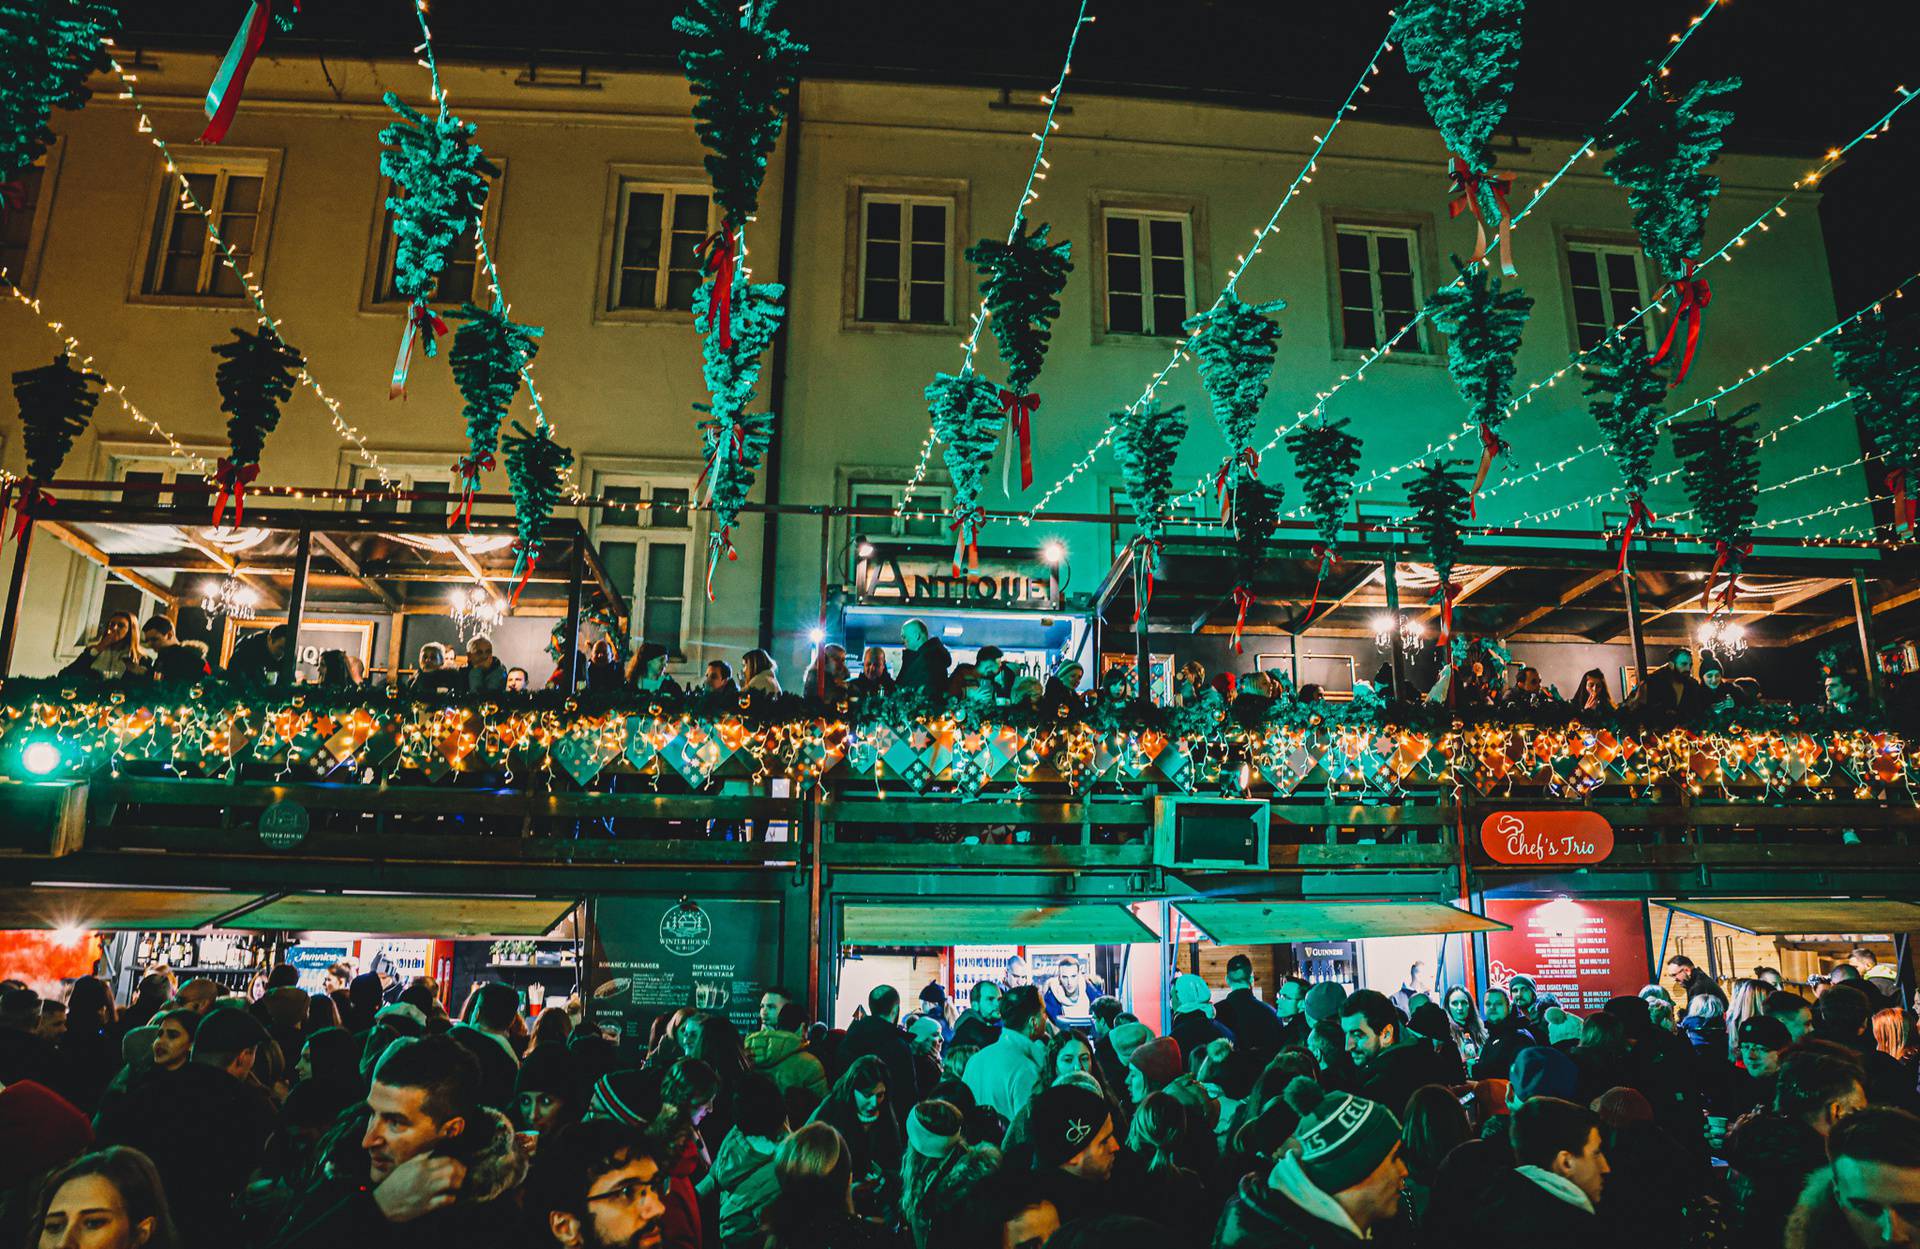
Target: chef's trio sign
x=1533, y=838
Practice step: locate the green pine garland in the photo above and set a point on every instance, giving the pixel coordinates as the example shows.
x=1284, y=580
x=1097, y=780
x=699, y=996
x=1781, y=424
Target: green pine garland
x=733, y=446
x=1483, y=324
x=1325, y=458
x=536, y=465
x=489, y=351
x=1256, y=517
x=257, y=373
x=731, y=372
x=1662, y=148
x=1720, y=469
x=1236, y=343
x=56, y=402
x=743, y=71
x=1021, y=282
x=966, y=415
x=1146, y=443
x=1884, y=377
x=1441, y=505
x=1628, y=404
x=1463, y=54
x=47, y=49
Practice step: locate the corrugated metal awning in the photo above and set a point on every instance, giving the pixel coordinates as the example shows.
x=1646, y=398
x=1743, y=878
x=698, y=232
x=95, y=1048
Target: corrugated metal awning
x=1772, y=917
x=1308, y=919
x=991, y=923
x=409, y=915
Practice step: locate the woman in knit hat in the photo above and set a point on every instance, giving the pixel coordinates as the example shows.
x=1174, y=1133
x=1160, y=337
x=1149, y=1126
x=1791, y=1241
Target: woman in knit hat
x=547, y=1092
x=1152, y=1067
x=934, y=1143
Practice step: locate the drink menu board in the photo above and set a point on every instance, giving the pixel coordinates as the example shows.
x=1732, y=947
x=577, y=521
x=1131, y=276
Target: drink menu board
x=1580, y=953
x=974, y=963
x=659, y=954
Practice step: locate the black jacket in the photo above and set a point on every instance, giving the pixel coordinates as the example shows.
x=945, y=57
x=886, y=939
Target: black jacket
x=1522, y=1215
x=251, y=661
x=1254, y=1024
x=1391, y=1076
x=1193, y=1030
x=1769, y=1158
x=205, y=1131
x=973, y=1030
x=1258, y=1217
x=925, y=669
x=884, y=1040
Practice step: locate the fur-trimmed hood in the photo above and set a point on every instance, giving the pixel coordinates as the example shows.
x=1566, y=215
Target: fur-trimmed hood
x=1817, y=1221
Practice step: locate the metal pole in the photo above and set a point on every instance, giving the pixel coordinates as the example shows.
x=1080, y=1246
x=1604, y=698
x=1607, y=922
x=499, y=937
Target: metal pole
x=1632, y=594
x=1391, y=570
x=826, y=559
x=576, y=564
x=815, y=954
x=10, y=628
x=296, y=606
x=1863, y=621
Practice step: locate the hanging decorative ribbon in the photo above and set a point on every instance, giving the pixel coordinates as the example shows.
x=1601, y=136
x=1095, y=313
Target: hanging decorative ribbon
x=1447, y=593
x=722, y=541
x=420, y=318
x=13, y=198
x=1636, y=513
x=28, y=498
x=1468, y=187
x=233, y=480
x=468, y=468
x=1243, y=599
x=1727, y=556
x=1149, y=552
x=1227, y=478
x=1019, y=410
x=1695, y=295
x=737, y=436
x=716, y=253
x=966, y=538
x=1904, y=504
x=1491, y=445
x=230, y=80
x=525, y=559
x=1325, y=557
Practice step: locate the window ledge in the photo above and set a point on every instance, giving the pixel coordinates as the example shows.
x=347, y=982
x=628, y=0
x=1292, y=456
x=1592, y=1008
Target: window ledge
x=1111, y=338
x=644, y=316
x=210, y=303
x=1400, y=355
x=852, y=326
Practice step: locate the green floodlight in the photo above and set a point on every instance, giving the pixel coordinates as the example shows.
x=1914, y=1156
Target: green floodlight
x=38, y=758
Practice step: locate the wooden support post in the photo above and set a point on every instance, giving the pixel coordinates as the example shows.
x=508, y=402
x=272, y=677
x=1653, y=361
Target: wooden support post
x=1634, y=636
x=10, y=628
x=296, y=606
x=1863, y=622
x=576, y=584
x=1390, y=571
x=1142, y=635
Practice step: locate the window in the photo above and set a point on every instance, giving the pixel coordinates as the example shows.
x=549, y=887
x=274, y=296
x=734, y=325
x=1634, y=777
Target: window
x=647, y=550
x=1607, y=289
x=1379, y=285
x=1121, y=533
x=906, y=250
x=656, y=244
x=1149, y=272
x=925, y=519
x=428, y=475
x=457, y=281
x=181, y=260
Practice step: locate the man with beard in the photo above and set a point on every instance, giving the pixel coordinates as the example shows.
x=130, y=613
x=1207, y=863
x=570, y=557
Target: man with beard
x=1390, y=1062
x=598, y=1186
x=1069, y=996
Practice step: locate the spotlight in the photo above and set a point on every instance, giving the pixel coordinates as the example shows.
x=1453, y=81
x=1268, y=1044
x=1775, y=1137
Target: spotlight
x=816, y=635
x=865, y=550
x=1053, y=552
x=40, y=758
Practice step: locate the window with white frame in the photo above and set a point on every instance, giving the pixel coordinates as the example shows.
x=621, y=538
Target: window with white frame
x=646, y=546
x=1121, y=532
x=1379, y=285
x=656, y=246
x=1149, y=270
x=1608, y=287
x=182, y=261
x=429, y=475
x=457, y=282
x=906, y=258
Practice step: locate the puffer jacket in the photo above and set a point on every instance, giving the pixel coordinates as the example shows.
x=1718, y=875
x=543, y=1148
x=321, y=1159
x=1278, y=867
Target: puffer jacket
x=783, y=1057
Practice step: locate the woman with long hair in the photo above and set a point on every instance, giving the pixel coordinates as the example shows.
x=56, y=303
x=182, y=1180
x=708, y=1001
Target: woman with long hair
x=1160, y=1179
x=1469, y=1032
x=106, y=1200
x=1592, y=695
x=1893, y=1036
x=934, y=1143
x=814, y=1168
x=856, y=1107
x=1749, y=996
x=1434, y=1123
x=759, y=674
x=114, y=654
x=90, y=1047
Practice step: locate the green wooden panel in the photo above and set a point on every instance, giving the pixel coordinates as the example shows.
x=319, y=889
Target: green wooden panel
x=1772, y=917
x=104, y=909
x=1273, y=923
x=409, y=915
x=989, y=923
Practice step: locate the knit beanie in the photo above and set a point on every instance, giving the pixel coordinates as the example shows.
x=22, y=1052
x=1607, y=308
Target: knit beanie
x=1620, y=1105
x=1542, y=1072
x=403, y=1017
x=1064, y=1121
x=1191, y=993
x=58, y=1130
x=1431, y=1022
x=925, y=1139
x=1266, y=1133
x=1158, y=1061
x=1561, y=1026
x=628, y=1096
x=1127, y=1038
x=1324, y=1000
x=1343, y=1138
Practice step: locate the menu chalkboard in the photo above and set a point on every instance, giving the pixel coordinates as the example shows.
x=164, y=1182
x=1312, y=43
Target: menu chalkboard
x=660, y=954
x=1580, y=953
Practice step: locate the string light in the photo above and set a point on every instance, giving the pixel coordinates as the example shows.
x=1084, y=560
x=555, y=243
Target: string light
x=1184, y=350
x=1028, y=195
x=256, y=295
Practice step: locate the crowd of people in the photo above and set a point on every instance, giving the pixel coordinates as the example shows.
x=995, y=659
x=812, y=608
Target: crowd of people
x=1041, y=1114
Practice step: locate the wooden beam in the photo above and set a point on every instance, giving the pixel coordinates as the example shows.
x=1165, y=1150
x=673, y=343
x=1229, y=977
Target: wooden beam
x=1336, y=604
x=100, y=557
x=1841, y=622
x=335, y=552
x=1578, y=590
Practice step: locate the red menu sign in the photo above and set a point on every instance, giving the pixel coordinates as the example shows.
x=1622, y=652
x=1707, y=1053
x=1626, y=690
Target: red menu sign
x=1546, y=837
x=1582, y=953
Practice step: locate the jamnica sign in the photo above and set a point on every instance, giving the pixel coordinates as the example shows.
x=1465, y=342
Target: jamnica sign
x=1546, y=837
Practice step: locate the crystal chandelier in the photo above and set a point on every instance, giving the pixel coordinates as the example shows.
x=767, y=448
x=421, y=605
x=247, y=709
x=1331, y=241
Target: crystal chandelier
x=1723, y=638
x=228, y=598
x=1413, y=634
x=476, y=611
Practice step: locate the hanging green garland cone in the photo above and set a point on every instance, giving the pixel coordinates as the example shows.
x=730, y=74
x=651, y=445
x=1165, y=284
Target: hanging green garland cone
x=257, y=374
x=1884, y=377
x=536, y=466
x=733, y=447
x=1236, y=343
x=1628, y=404
x=1325, y=458
x=1441, y=506
x=1021, y=280
x=56, y=402
x=966, y=416
x=731, y=364
x=1146, y=443
x=47, y=49
x=1662, y=148
x=489, y=352
x=1720, y=468
x=440, y=178
x=1256, y=517
x=1463, y=54
x=1483, y=325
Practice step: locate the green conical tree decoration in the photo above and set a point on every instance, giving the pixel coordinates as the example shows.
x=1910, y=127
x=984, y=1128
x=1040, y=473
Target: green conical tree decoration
x=1463, y=54
x=1236, y=343
x=47, y=49
x=1146, y=443
x=536, y=471
x=1256, y=517
x=257, y=374
x=733, y=447
x=489, y=351
x=1884, y=377
x=966, y=414
x=56, y=402
x=731, y=371
x=1021, y=280
x=1483, y=324
x=742, y=69
x=1628, y=405
x=1720, y=469
x=1325, y=458
x=1440, y=508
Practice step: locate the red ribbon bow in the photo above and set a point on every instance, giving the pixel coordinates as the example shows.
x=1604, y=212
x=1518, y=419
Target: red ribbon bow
x=233, y=480
x=1019, y=409
x=26, y=497
x=723, y=542
x=1695, y=295
x=1491, y=445
x=1446, y=594
x=469, y=467
x=1467, y=186
x=1325, y=556
x=1243, y=599
x=716, y=253
x=1636, y=513
x=421, y=319
x=966, y=538
x=1150, y=552
x=1904, y=504
x=1223, y=484
x=1728, y=557
x=429, y=322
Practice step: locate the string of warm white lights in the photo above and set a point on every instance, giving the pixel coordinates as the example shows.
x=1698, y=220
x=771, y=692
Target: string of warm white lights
x=1832, y=509
x=1825, y=470
x=72, y=347
x=256, y=295
x=1035, y=173
x=1761, y=223
x=1751, y=375
x=1184, y=351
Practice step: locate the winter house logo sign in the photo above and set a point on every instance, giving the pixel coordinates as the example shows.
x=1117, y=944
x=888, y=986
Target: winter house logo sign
x=685, y=929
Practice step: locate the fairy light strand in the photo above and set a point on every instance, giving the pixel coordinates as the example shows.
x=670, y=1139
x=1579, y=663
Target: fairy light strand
x=1035, y=173
x=1184, y=350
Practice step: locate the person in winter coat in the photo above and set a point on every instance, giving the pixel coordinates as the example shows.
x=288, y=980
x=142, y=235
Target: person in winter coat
x=1256, y=1026
x=1195, y=1024
x=923, y=662
x=742, y=1173
x=879, y=1034
x=1771, y=1154
x=814, y=1210
x=857, y=1108
x=1559, y=1174
x=780, y=1052
x=1865, y=1197
x=1344, y=1182
x=1390, y=1061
